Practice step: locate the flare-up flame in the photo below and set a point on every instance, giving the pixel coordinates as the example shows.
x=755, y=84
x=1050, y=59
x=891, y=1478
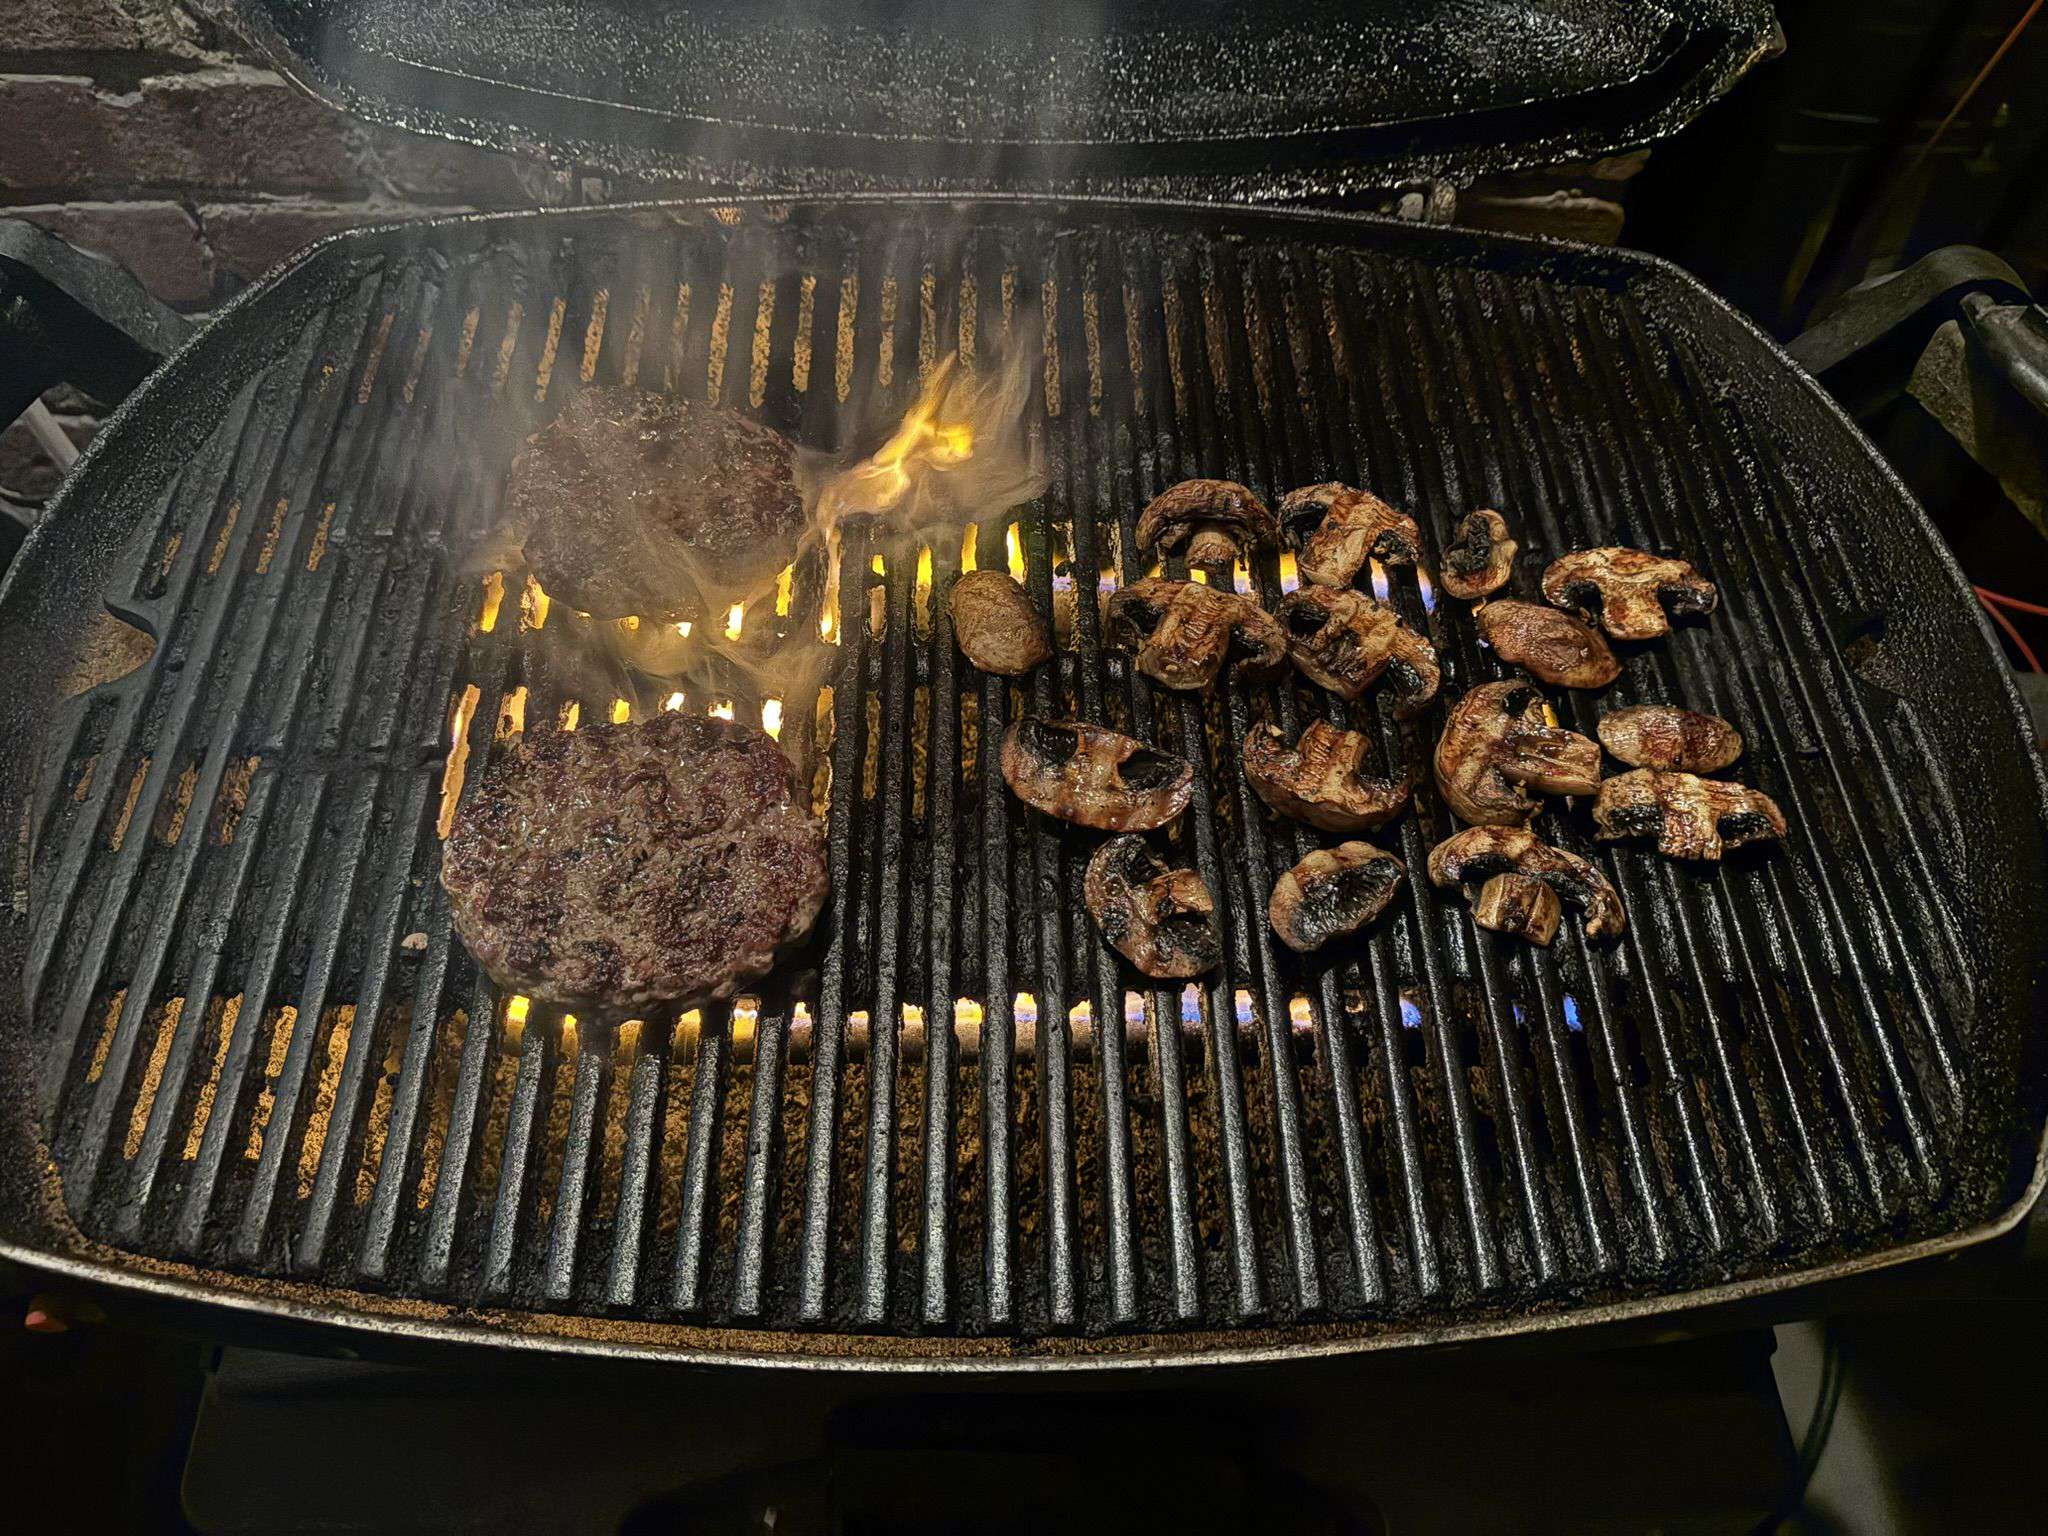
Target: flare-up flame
x=930, y=436
x=962, y=453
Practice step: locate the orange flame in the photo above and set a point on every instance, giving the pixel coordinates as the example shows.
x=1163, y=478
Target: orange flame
x=935, y=433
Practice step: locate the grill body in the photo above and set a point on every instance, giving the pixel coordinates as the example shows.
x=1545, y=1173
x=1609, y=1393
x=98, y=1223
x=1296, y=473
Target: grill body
x=234, y=1073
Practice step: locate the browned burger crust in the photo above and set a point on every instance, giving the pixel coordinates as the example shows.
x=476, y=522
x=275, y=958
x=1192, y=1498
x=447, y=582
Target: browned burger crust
x=1666, y=737
x=998, y=629
x=1550, y=645
x=626, y=867
x=630, y=502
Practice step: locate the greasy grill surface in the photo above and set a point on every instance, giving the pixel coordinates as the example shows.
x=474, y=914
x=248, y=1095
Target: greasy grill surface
x=245, y=1062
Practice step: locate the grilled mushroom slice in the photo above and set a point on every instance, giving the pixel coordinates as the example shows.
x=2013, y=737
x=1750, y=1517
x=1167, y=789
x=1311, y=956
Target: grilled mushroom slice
x=1332, y=892
x=1480, y=557
x=1214, y=518
x=1162, y=920
x=1345, y=640
x=1093, y=777
x=1497, y=745
x=1519, y=904
x=1691, y=817
x=998, y=629
x=1631, y=589
x=1477, y=854
x=1182, y=631
x=1553, y=646
x=1337, y=528
x=1666, y=737
x=1322, y=780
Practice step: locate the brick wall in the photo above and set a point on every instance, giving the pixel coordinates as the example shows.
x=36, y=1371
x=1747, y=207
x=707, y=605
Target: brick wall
x=135, y=129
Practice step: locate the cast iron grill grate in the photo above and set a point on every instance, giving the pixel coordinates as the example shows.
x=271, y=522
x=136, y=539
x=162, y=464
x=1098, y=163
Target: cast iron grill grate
x=966, y=1123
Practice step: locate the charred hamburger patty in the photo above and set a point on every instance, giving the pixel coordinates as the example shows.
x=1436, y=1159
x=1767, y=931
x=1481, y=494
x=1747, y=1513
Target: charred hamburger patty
x=623, y=867
x=631, y=502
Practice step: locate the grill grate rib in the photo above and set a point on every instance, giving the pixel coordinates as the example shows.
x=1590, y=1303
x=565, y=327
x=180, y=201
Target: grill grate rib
x=1430, y=1123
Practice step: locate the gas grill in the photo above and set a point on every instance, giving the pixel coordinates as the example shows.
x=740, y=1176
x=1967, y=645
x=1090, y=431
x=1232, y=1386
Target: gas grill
x=249, y=1066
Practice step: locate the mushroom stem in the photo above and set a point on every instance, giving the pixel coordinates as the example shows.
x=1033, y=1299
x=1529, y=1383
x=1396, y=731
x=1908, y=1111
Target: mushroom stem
x=1212, y=546
x=1520, y=904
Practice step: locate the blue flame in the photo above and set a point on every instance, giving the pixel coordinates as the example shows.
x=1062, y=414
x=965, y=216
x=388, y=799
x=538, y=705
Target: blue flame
x=1411, y=1012
x=1571, y=1012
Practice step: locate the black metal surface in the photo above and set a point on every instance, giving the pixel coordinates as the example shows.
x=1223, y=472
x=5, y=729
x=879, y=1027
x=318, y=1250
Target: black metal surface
x=1812, y=1060
x=1308, y=99
x=68, y=316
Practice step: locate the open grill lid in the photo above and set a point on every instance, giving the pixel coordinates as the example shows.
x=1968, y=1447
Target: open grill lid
x=1312, y=98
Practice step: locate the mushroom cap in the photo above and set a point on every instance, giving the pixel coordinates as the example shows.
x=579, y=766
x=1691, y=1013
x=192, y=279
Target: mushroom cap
x=1321, y=780
x=1630, y=588
x=1344, y=640
x=1550, y=645
x=1183, y=630
x=1480, y=557
x=1477, y=854
x=1332, y=892
x=1093, y=777
x=1176, y=512
x=1518, y=904
x=1162, y=920
x=1336, y=528
x=1665, y=737
x=995, y=623
x=1691, y=817
x=1496, y=741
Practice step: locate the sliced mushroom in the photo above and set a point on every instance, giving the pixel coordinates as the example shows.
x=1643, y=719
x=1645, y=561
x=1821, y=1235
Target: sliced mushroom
x=1332, y=892
x=1337, y=528
x=998, y=629
x=1475, y=855
x=1162, y=920
x=1214, y=518
x=1183, y=630
x=1553, y=646
x=1480, y=557
x=1496, y=742
x=1345, y=640
x=1663, y=736
x=1630, y=588
x=1093, y=777
x=1323, y=779
x=1519, y=904
x=1691, y=817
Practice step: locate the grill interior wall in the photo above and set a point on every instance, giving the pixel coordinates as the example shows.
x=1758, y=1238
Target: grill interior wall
x=255, y=1073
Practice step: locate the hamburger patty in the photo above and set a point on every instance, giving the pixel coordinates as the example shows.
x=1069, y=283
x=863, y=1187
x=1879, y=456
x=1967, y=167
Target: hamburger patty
x=631, y=502
x=623, y=867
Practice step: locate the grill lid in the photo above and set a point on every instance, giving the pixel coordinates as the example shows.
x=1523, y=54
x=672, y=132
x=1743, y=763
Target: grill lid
x=1304, y=98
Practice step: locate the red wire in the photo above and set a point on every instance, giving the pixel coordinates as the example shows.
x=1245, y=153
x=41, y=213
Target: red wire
x=2003, y=601
x=2012, y=633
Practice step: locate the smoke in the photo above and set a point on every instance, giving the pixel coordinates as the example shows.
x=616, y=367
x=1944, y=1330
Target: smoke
x=962, y=454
